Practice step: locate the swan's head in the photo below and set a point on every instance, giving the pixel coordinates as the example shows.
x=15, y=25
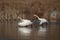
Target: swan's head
x=19, y=17
x=35, y=15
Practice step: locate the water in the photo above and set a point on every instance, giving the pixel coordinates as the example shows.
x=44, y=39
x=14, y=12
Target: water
x=10, y=30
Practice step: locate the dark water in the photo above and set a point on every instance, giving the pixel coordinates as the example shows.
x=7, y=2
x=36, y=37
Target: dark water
x=9, y=30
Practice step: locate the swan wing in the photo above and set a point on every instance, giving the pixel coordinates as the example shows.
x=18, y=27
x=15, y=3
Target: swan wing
x=43, y=21
x=25, y=23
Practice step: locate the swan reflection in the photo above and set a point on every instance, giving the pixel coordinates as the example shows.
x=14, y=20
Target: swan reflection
x=42, y=31
x=25, y=31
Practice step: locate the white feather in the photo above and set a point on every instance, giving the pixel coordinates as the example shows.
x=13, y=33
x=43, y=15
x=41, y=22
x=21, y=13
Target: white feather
x=42, y=20
x=25, y=22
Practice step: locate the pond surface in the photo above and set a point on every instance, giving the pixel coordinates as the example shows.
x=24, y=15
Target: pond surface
x=11, y=30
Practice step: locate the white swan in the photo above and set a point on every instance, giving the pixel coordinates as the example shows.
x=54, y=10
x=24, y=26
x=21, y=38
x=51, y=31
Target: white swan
x=42, y=20
x=24, y=22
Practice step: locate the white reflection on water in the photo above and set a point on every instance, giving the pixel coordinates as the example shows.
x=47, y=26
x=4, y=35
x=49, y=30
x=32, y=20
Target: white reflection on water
x=42, y=31
x=25, y=31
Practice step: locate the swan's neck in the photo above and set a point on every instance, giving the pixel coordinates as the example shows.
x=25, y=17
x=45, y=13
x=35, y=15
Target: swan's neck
x=38, y=17
x=20, y=18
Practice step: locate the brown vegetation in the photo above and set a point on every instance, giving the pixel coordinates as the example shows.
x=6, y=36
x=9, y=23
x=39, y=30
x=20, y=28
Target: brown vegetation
x=10, y=9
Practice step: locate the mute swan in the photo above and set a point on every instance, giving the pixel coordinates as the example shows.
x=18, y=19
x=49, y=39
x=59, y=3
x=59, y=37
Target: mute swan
x=43, y=22
x=24, y=22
